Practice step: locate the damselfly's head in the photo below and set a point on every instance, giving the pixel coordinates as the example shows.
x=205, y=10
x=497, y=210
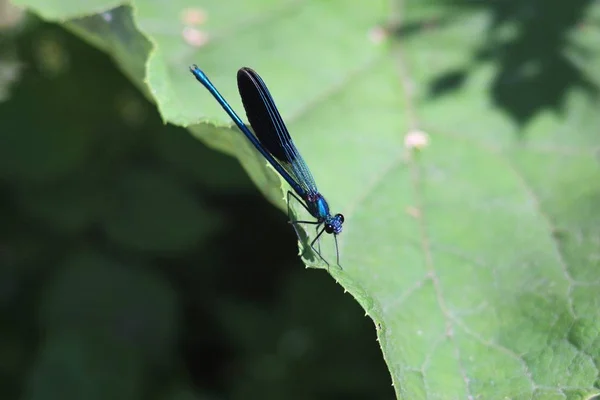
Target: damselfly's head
x=334, y=224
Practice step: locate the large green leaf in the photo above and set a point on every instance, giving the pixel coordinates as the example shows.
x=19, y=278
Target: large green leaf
x=476, y=256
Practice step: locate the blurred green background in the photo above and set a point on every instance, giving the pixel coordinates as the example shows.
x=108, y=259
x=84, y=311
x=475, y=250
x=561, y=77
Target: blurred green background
x=137, y=263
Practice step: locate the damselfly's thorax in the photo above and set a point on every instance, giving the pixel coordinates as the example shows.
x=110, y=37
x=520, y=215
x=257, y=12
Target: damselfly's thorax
x=318, y=207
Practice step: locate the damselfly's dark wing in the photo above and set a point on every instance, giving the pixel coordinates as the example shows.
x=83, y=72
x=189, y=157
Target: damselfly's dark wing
x=269, y=128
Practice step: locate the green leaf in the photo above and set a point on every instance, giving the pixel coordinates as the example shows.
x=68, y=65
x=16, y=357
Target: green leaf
x=132, y=307
x=114, y=32
x=150, y=212
x=53, y=157
x=69, y=206
x=189, y=157
x=279, y=343
x=73, y=367
x=9, y=73
x=62, y=10
x=186, y=393
x=477, y=255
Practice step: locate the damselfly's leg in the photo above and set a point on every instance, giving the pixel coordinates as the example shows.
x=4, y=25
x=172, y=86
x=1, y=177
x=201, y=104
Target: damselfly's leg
x=289, y=210
x=317, y=233
x=337, y=252
x=316, y=223
x=316, y=239
x=315, y=250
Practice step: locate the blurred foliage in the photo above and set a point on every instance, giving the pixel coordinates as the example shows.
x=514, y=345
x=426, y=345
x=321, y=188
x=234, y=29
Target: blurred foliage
x=137, y=263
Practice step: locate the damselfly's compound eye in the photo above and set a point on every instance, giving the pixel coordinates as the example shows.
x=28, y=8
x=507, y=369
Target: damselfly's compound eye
x=340, y=217
x=329, y=228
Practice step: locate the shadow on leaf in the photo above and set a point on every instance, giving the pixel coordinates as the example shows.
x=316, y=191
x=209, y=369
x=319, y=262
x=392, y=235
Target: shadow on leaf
x=535, y=70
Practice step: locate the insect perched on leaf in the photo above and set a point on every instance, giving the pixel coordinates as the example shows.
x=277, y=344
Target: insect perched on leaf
x=272, y=139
